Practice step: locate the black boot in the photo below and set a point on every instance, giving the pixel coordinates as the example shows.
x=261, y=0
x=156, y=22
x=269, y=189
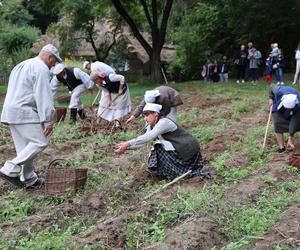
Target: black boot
x=73, y=114
x=81, y=114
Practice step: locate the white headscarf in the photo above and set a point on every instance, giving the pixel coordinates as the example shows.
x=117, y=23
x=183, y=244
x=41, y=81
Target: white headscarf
x=288, y=101
x=150, y=95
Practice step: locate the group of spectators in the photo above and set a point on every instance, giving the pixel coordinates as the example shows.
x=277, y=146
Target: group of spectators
x=216, y=71
x=247, y=62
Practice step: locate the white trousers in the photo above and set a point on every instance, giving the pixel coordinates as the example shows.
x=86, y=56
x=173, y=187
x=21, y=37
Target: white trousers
x=296, y=77
x=75, y=101
x=29, y=140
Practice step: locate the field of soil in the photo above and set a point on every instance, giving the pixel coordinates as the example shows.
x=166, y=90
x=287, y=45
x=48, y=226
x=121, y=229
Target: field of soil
x=253, y=201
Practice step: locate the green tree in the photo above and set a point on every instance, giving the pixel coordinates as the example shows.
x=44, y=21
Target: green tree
x=13, y=12
x=79, y=23
x=264, y=22
x=138, y=13
x=196, y=39
x=14, y=38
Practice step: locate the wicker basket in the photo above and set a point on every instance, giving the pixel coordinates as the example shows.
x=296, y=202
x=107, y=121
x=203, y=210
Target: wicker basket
x=87, y=126
x=59, y=180
x=294, y=160
x=60, y=114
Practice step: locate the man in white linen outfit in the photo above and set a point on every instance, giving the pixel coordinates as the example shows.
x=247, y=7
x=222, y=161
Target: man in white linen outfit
x=77, y=82
x=28, y=110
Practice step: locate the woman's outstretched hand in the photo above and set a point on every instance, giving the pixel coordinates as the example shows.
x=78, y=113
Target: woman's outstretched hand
x=122, y=147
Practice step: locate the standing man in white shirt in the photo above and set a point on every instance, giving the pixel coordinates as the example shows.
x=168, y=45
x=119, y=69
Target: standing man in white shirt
x=97, y=67
x=28, y=111
x=77, y=82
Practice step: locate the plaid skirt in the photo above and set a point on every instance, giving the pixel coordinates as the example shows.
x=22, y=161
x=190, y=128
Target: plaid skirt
x=170, y=165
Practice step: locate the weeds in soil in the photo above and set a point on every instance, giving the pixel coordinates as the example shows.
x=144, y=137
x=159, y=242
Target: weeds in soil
x=16, y=209
x=57, y=237
x=240, y=108
x=268, y=179
x=205, y=133
x=241, y=223
x=248, y=221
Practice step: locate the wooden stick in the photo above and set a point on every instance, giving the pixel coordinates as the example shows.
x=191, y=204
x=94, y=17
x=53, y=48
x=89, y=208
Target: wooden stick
x=108, y=106
x=168, y=184
x=96, y=97
x=267, y=128
x=162, y=70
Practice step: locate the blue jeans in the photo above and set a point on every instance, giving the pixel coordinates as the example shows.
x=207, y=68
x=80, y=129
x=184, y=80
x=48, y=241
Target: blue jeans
x=279, y=74
x=223, y=77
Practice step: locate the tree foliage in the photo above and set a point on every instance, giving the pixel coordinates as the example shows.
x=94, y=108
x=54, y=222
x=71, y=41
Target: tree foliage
x=209, y=29
x=13, y=12
x=196, y=39
x=16, y=36
x=149, y=16
x=79, y=23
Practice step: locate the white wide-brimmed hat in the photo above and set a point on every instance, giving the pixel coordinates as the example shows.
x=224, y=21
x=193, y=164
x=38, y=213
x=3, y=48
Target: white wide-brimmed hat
x=58, y=68
x=152, y=107
x=150, y=95
x=53, y=51
x=288, y=101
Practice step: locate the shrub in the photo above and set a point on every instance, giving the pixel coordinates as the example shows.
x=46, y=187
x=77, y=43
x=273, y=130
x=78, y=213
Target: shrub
x=14, y=38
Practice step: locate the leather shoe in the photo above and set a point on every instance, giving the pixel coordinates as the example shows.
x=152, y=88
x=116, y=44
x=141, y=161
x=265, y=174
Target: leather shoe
x=12, y=180
x=37, y=185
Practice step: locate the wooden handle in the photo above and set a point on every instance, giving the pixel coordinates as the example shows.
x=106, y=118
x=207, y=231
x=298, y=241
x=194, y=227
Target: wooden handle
x=266, y=132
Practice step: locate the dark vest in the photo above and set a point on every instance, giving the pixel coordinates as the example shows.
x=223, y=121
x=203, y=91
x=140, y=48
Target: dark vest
x=184, y=143
x=113, y=87
x=71, y=81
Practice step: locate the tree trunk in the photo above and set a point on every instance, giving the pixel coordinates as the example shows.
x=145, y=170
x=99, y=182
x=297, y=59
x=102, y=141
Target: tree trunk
x=155, y=66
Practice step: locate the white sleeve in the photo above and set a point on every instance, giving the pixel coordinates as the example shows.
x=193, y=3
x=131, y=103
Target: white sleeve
x=117, y=78
x=297, y=56
x=84, y=77
x=43, y=97
x=163, y=126
x=54, y=85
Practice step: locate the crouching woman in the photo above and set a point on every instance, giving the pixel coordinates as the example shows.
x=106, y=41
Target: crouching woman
x=175, y=151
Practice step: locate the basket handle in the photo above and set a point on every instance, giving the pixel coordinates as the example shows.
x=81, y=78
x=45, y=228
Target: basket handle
x=55, y=160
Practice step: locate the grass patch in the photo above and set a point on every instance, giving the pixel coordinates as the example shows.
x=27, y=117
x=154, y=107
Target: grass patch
x=17, y=209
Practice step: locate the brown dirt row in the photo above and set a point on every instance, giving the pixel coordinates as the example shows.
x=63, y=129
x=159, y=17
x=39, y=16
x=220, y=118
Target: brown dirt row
x=286, y=232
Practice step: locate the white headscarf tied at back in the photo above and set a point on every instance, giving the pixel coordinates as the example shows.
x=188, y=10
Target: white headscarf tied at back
x=150, y=95
x=152, y=107
x=288, y=101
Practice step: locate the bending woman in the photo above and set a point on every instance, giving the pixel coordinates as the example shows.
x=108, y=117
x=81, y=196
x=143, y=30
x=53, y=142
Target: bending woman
x=286, y=114
x=175, y=151
x=115, y=100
